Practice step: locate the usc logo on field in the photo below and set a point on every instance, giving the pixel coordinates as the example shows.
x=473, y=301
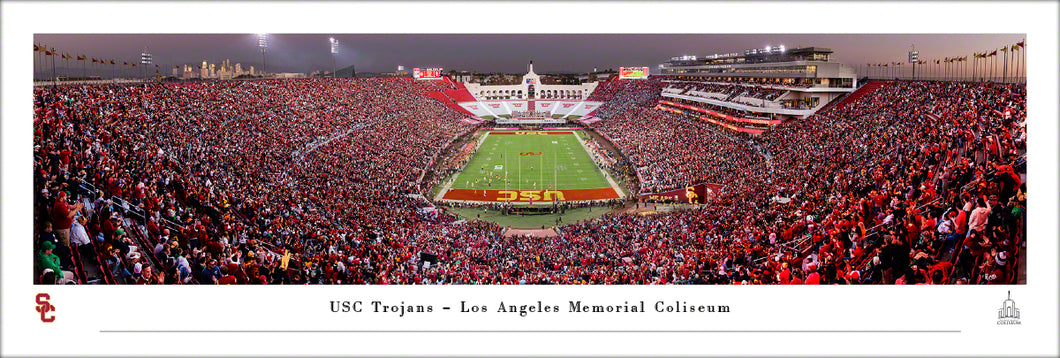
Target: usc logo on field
x=528, y=195
x=523, y=154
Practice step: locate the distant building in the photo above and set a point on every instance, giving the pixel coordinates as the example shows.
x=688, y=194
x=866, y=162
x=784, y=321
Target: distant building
x=288, y=75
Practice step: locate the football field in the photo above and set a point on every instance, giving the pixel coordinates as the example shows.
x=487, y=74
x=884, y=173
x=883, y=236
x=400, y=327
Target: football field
x=530, y=166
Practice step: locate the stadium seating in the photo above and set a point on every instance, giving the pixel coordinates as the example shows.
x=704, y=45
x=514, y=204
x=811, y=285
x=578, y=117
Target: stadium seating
x=330, y=172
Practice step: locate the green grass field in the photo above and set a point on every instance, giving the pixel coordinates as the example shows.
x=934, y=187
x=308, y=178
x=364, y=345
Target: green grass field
x=532, y=162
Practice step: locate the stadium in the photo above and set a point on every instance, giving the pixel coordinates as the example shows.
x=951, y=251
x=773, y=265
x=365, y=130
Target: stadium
x=774, y=166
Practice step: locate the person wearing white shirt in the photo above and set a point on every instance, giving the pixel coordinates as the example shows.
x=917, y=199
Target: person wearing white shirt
x=78, y=234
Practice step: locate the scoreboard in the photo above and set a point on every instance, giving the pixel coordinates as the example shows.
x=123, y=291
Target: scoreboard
x=632, y=72
x=427, y=73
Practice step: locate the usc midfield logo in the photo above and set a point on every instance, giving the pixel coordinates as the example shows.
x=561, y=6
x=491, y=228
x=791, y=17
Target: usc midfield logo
x=524, y=195
x=44, y=306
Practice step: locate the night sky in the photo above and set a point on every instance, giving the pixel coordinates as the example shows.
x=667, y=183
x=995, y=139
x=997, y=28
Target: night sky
x=501, y=52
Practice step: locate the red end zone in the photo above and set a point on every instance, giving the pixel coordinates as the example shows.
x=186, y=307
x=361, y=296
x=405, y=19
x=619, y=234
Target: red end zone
x=524, y=196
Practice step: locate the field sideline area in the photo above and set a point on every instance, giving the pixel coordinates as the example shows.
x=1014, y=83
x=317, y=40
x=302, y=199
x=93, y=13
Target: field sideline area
x=541, y=166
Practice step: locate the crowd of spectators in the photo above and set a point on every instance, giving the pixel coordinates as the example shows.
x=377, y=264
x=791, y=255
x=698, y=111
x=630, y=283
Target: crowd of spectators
x=885, y=190
x=315, y=181
x=217, y=159
x=672, y=152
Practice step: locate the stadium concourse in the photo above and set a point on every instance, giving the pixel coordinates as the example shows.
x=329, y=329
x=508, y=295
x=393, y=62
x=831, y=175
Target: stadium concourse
x=213, y=182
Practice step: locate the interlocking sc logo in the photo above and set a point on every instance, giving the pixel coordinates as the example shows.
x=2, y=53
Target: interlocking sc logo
x=44, y=306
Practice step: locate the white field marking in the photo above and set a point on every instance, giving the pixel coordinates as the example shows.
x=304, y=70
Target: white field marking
x=482, y=140
x=449, y=184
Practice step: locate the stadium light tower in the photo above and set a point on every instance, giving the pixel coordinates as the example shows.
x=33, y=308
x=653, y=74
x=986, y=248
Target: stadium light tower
x=145, y=60
x=263, y=43
x=334, y=51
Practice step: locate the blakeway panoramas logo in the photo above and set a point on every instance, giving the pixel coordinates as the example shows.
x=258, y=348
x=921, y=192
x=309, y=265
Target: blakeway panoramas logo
x=1008, y=313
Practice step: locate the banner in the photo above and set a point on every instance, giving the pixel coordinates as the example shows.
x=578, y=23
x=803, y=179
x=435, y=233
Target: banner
x=695, y=194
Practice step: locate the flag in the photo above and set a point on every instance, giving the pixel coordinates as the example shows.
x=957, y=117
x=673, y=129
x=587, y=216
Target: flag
x=81, y=58
x=1014, y=48
x=992, y=53
x=112, y=62
x=1020, y=44
x=937, y=62
x=1004, y=49
x=94, y=60
x=156, y=65
x=36, y=48
x=124, y=63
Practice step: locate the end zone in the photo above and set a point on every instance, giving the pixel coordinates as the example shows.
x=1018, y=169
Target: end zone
x=527, y=196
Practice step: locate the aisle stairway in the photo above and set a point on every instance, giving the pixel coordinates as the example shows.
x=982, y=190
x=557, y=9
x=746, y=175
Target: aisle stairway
x=864, y=90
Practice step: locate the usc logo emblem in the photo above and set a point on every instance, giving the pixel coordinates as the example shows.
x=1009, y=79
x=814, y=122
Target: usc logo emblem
x=691, y=194
x=44, y=306
x=523, y=154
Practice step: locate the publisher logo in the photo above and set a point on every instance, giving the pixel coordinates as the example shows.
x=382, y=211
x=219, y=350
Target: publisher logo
x=1008, y=313
x=44, y=306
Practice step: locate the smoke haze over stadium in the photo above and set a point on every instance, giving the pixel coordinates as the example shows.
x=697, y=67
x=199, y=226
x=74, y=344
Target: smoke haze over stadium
x=507, y=53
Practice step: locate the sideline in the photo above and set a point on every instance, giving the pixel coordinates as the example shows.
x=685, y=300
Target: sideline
x=607, y=176
x=452, y=179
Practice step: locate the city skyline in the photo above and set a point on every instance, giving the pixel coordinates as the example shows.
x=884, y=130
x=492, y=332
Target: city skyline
x=504, y=53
